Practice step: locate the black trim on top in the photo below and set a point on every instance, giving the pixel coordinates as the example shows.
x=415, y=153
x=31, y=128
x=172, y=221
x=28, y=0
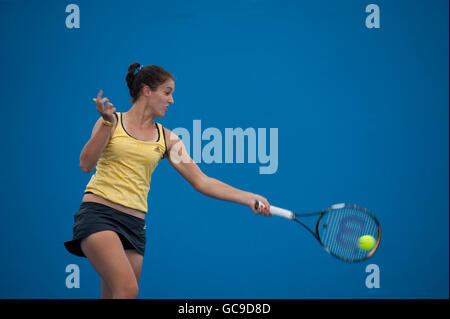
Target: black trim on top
x=159, y=135
x=156, y=125
x=165, y=144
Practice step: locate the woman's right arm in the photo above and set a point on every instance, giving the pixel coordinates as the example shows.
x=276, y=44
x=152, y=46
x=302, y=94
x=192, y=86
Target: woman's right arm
x=100, y=136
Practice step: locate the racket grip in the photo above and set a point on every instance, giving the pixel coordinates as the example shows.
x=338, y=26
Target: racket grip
x=278, y=211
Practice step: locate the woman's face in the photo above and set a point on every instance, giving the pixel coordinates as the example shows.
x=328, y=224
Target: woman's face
x=160, y=99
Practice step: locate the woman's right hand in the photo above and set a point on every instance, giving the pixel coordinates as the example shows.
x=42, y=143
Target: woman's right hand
x=106, y=111
x=260, y=205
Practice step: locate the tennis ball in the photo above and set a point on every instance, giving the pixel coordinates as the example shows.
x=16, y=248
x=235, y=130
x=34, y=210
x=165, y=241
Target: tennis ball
x=366, y=242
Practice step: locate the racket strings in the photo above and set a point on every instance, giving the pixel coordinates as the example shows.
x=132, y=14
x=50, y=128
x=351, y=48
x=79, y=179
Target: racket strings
x=341, y=229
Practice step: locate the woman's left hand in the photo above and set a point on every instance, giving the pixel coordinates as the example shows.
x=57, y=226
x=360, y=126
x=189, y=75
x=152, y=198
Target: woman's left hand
x=262, y=210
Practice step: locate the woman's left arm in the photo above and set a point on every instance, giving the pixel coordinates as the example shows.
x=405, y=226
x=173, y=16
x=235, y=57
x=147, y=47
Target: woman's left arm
x=183, y=163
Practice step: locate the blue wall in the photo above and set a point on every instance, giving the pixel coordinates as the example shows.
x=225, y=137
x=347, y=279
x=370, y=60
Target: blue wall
x=362, y=117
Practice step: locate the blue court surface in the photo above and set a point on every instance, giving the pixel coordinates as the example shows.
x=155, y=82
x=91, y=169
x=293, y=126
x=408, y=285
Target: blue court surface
x=341, y=101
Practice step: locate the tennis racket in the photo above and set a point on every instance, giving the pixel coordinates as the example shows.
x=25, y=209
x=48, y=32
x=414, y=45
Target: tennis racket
x=339, y=228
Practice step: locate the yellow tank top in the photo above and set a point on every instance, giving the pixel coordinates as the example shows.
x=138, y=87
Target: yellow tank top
x=124, y=169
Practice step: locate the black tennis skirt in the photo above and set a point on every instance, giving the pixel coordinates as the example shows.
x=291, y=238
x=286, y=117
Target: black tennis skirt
x=94, y=217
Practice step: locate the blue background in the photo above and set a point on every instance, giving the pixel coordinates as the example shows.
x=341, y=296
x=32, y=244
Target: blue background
x=362, y=116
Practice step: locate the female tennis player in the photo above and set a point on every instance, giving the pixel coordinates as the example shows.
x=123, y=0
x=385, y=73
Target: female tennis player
x=125, y=148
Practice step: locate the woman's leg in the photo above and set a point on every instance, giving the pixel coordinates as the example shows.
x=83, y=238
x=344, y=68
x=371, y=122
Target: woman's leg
x=105, y=252
x=135, y=260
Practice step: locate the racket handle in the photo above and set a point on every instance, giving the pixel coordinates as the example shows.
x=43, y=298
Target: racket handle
x=278, y=211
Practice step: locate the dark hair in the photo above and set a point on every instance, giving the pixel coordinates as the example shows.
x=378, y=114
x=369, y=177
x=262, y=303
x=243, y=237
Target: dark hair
x=151, y=75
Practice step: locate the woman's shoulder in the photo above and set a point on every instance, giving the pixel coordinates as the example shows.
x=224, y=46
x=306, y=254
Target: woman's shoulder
x=170, y=137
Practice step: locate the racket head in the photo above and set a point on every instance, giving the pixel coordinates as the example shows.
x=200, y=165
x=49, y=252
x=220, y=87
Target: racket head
x=339, y=228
